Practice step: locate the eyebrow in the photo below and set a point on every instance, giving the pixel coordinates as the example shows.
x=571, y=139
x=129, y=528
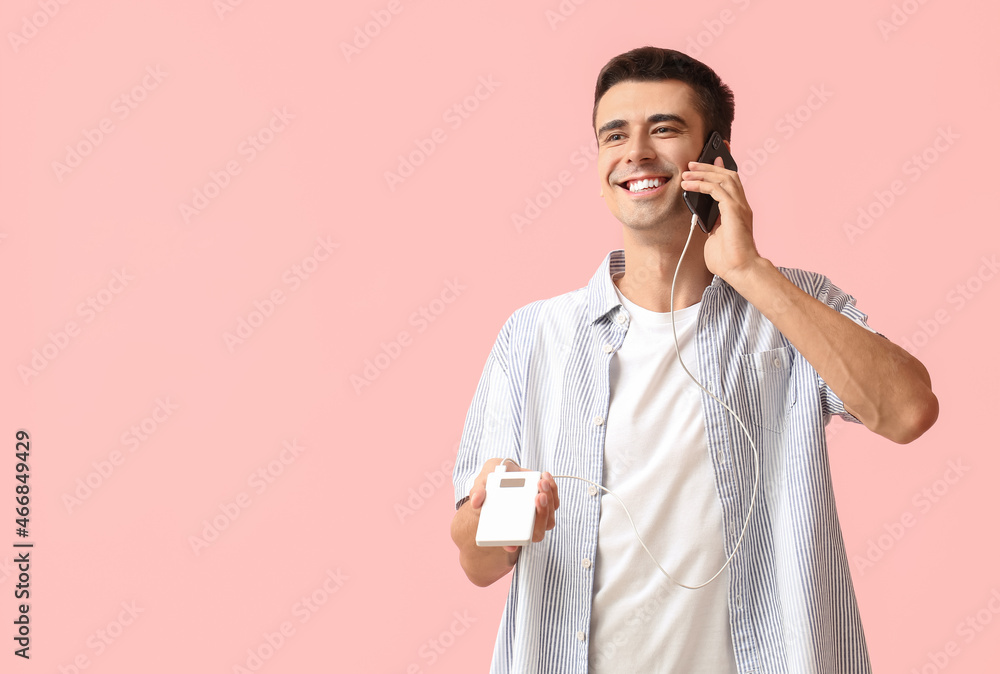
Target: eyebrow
x=653, y=119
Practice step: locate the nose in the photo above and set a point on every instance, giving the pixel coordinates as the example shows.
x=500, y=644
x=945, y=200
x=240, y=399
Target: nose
x=640, y=148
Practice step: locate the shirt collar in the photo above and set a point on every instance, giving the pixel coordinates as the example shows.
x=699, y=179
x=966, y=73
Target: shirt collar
x=601, y=295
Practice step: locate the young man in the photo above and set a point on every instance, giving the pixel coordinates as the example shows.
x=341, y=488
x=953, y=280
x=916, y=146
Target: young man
x=589, y=384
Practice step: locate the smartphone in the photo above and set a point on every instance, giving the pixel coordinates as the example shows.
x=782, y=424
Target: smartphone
x=703, y=205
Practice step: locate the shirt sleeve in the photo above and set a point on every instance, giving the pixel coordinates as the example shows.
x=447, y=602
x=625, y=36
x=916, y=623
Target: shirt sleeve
x=489, y=424
x=844, y=304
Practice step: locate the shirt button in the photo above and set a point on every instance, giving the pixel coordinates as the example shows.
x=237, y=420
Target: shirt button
x=721, y=456
x=608, y=348
x=585, y=563
x=620, y=318
x=592, y=490
x=598, y=420
x=777, y=362
x=739, y=602
x=580, y=636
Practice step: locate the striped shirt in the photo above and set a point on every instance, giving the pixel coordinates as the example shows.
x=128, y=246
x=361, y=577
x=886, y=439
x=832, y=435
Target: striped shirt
x=542, y=401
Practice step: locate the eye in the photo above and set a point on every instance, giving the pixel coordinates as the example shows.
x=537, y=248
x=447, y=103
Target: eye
x=612, y=136
x=665, y=129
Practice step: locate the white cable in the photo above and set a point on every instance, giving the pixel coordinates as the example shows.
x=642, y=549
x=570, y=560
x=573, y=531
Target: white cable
x=756, y=456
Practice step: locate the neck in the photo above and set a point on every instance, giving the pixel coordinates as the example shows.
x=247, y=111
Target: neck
x=649, y=270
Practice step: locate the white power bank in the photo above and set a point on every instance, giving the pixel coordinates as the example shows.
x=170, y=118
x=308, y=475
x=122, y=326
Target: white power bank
x=508, y=514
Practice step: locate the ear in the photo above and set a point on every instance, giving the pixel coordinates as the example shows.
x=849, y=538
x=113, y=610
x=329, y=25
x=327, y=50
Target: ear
x=728, y=146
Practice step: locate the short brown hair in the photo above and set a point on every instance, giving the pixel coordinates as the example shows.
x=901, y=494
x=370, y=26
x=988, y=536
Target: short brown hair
x=713, y=98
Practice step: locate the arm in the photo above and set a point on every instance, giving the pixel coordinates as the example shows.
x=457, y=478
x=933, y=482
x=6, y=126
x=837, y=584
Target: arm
x=881, y=384
x=485, y=566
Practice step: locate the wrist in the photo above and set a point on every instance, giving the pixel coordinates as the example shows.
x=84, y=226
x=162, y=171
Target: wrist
x=750, y=274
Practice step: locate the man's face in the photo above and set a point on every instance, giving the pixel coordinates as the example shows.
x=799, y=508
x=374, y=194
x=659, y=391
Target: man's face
x=647, y=130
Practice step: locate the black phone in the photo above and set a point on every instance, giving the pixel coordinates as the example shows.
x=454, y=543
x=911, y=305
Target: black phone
x=703, y=205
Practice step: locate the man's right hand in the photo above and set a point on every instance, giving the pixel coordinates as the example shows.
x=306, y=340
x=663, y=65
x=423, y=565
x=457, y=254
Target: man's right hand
x=484, y=566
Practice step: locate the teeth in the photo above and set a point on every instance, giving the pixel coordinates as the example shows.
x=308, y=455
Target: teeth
x=646, y=183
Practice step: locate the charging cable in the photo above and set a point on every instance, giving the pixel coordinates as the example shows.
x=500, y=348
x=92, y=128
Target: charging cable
x=756, y=456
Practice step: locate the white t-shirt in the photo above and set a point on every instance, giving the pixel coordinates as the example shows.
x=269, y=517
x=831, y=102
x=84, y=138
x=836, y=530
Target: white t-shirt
x=656, y=460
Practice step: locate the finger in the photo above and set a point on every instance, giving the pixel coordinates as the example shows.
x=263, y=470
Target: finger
x=715, y=188
x=550, y=512
x=730, y=180
x=477, y=497
x=552, y=491
x=712, y=172
x=718, y=167
x=541, y=517
x=695, y=181
x=705, y=172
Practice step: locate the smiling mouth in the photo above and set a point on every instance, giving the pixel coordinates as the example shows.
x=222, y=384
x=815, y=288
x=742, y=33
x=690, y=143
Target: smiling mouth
x=644, y=185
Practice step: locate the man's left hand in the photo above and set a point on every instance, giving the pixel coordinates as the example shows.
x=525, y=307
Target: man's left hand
x=730, y=248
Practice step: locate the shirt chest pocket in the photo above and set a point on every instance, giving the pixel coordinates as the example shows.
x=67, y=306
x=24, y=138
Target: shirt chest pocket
x=768, y=386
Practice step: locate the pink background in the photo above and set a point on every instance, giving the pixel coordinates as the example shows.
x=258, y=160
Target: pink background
x=370, y=496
